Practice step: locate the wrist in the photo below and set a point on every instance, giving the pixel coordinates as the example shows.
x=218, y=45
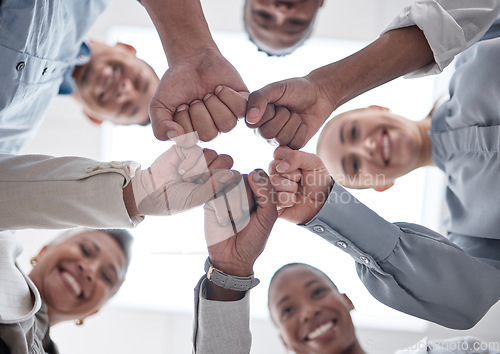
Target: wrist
x=129, y=200
x=238, y=270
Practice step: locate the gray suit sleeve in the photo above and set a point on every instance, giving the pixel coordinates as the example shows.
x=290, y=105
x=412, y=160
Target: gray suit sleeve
x=409, y=267
x=38, y=191
x=221, y=327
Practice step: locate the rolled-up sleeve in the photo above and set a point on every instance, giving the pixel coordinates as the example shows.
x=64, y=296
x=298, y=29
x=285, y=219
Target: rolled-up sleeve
x=450, y=27
x=409, y=267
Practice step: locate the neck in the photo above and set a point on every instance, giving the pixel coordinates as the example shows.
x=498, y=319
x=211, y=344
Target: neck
x=423, y=128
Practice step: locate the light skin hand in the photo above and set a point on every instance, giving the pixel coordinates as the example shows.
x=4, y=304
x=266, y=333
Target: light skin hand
x=237, y=253
x=302, y=184
x=180, y=179
x=217, y=112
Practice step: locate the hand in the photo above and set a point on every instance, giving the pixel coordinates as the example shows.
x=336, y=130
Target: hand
x=180, y=179
x=236, y=233
x=307, y=108
x=302, y=184
x=189, y=79
x=217, y=112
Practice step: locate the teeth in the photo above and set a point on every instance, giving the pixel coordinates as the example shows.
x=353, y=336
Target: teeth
x=387, y=149
x=74, y=284
x=320, y=330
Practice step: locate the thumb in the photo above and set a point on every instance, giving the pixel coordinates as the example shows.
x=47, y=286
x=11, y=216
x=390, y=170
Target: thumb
x=295, y=160
x=265, y=198
x=162, y=123
x=258, y=100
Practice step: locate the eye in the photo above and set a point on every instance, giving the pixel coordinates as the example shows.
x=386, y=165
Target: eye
x=107, y=278
x=318, y=291
x=355, y=166
x=287, y=311
x=263, y=15
x=125, y=107
x=85, y=250
x=353, y=132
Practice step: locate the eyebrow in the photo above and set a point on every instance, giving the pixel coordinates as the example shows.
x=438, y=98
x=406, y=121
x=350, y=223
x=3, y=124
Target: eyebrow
x=343, y=166
x=282, y=300
x=342, y=133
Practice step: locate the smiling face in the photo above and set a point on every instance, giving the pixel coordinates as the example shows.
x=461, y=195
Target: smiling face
x=278, y=27
x=78, y=275
x=370, y=147
x=310, y=313
x=115, y=85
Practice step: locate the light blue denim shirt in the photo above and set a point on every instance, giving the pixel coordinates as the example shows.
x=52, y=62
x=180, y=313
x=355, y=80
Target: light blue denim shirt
x=465, y=138
x=39, y=41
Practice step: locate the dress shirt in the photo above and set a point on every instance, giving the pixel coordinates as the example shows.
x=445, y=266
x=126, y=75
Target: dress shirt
x=450, y=27
x=465, y=138
x=39, y=41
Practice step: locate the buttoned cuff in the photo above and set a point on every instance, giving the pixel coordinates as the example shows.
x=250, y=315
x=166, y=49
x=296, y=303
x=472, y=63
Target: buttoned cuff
x=354, y=228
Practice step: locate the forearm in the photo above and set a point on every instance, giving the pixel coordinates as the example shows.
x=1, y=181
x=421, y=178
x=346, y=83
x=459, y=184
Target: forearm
x=181, y=25
x=409, y=267
x=393, y=54
x=59, y=192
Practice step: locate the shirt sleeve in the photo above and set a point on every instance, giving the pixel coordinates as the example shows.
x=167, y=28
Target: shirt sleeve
x=38, y=191
x=450, y=27
x=220, y=327
x=407, y=266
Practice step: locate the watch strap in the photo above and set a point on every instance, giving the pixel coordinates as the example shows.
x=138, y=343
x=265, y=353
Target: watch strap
x=227, y=281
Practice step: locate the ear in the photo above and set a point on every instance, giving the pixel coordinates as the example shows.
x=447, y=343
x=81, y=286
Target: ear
x=384, y=187
x=92, y=118
x=41, y=252
x=380, y=108
x=348, y=302
x=127, y=47
x=93, y=313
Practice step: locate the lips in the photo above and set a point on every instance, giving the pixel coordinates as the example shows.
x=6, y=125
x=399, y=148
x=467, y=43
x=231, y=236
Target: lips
x=72, y=283
x=108, y=83
x=322, y=331
x=385, y=147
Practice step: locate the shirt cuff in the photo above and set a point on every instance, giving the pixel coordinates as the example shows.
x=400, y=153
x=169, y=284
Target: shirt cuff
x=354, y=228
x=450, y=27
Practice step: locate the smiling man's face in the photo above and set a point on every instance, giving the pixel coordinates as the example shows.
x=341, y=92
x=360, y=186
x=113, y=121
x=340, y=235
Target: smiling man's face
x=278, y=27
x=115, y=85
x=311, y=315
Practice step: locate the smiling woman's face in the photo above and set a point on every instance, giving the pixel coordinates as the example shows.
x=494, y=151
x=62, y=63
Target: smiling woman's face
x=369, y=147
x=310, y=313
x=78, y=275
x=279, y=26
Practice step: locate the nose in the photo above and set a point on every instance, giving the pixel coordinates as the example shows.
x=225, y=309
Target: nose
x=88, y=270
x=309, y=312
x=369, y=146
x=124, y=91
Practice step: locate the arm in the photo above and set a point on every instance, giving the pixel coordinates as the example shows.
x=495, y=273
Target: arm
x=417, y=39
x=405, y=266
x=40, y=191
x=222, y=315
x=196, y=67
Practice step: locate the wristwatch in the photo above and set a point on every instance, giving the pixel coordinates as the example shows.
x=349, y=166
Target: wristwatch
x=226, y=281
